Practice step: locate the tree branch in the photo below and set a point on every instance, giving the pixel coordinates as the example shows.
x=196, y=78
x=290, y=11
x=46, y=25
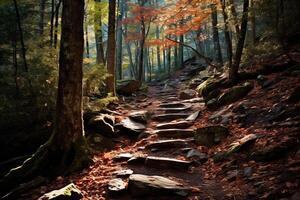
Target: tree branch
x=206, y=59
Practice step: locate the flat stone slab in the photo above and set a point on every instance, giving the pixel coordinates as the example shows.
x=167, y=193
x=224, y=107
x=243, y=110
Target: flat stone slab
x=123, y=157
x=172, y=125
x=130, y=127
x=170, y=116
x=116, y=185
x=166, y=144
x=175, y=133
x=164, y=162
x=175, y=109
x=193, y=116
x=123, y=173
x=69, y=192
x=143, y=185
x=172, y=105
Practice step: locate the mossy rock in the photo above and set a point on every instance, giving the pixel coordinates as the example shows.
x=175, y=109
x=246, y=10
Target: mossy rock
x=210, y=135
x=234, y=94
x=128, y=87
x=70, y=192
x=208, y=86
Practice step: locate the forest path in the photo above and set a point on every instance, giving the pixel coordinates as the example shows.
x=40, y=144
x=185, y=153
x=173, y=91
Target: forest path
x=166, y=148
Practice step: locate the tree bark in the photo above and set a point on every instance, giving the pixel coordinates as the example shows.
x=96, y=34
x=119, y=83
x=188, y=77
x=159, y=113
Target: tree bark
x=217, y=46
x=233, y=72
x=158, y=50
x=111, y=48
x=87, y=45
x=56, y=23
x=119, y=39
x=227, y=34
x=99, y=37
x=42, y=14
x=18, y=18
x=66, y=150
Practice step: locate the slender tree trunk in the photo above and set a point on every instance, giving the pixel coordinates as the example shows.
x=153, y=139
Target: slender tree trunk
x=15, y=64
x=169, y=60
x=176, y=58
x=158, y=50
x=233, y=72
x=56, y=23
x=232, y=10
x=253, y=22
x=87, y=46
x=52, y=21
x=141, y=53
x=100, y=58
x=227, y=34
x=21, y=35
x=111, y=48
x=119, y=38
x=181, y=59
x=217, y=46
x=42, y=13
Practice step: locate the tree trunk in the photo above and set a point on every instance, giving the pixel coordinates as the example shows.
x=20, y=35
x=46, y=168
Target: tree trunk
x=119, y=38
x=181, y=40
x=21, y=35
x=158, y=50
x=52, y=21
x=176, y=58
x=87, y=46
x=99, y=37
x=66, y=150
x=227, y=34
x=111, y=48
x=42, y=14
x=233, y=72
x=141, y=52
x=217, y=46
x=56, y=23
x=15, y=64
x=253, y=22
x=169, y=60
x=232, y=10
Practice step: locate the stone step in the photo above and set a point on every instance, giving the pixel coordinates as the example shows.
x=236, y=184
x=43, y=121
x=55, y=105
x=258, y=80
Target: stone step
x=172, y=125
x=174, y=110
x=175, y=133
x=167, y=144
x=170, y=116
x=144, y=185
x=166, y=163
x=171, y=105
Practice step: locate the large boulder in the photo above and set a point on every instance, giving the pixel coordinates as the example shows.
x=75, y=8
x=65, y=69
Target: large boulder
x=103, y=124
x=187, y=94
x=128, y=87
x=130, y=127
x=70, y=192
x=208, y=86
x=210, y=135
x=234, y=94
x=140, y=116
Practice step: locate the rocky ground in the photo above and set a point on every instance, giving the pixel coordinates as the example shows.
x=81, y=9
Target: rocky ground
x=181, y=140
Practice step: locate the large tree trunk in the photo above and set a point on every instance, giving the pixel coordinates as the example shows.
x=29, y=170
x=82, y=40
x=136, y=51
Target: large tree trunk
x=66, y=150
x=217, y=46
x=233, y=72
x=111, y=48
x=119, y=39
